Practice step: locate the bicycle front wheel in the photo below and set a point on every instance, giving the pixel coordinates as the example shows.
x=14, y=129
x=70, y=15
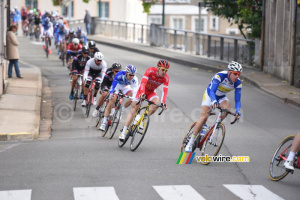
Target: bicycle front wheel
x=139, y=133
x=187, y=138
x=89, y=103
x=213, y=143
x=46, y=48
x=75, y=97
x=115, y=122
x=277, y=170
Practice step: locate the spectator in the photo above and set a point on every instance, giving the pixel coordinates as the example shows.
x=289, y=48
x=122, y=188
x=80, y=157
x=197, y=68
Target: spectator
x=12, y=51
x=87, y=21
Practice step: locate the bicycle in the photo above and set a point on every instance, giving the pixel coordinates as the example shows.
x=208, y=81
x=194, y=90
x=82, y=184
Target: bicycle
x=277, y=171
x=90, y=98
x=102, y=110
x=212, y=141
x=114, y=118
x=135, y=130
x=77, y=88
x=47, y=44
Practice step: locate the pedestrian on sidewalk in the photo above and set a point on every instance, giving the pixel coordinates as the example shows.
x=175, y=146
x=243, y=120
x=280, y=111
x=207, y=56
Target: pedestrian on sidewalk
x=12, y=51
x=87, y=21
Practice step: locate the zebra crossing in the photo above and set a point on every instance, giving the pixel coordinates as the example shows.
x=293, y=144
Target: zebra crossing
x=166, y=192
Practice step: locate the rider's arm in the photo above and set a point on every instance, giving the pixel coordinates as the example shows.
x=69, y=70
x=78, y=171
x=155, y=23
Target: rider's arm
x=75, y=63
x=237, y=95
x=87, y=69
x=144, y=80
x=113, y=85
x=214, y=86
x=135, y=85
x=165, y=89
x=104, y=68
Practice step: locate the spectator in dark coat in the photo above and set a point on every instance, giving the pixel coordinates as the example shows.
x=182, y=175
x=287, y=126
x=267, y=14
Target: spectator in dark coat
x=87, y=21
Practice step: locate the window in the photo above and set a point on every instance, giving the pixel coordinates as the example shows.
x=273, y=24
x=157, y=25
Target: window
x=177, y=1
x=68, y=11
x=214, y=23
x=155, y=20
x=195, y=24
x=103, y=10
x=31, y=4
x=232, y=31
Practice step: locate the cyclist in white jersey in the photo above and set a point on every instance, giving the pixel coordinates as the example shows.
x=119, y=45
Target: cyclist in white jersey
x=95, y=68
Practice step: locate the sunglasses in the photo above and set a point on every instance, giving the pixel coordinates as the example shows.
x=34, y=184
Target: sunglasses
x=98, y=60
x=236, y=73
x=163, y=69
x=131, y=74
x=117, y=71
x=85, y=53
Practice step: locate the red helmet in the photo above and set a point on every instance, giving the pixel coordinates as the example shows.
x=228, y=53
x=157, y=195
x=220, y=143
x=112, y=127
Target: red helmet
x=163, y=63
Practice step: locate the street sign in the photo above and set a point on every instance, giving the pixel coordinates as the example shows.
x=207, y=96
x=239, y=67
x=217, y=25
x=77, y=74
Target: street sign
x=207, y=4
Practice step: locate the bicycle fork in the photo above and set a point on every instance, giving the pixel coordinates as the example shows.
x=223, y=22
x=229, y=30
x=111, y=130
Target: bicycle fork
x=210, y=139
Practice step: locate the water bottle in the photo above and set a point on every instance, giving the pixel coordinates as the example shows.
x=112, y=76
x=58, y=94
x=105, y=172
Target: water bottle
x=204, y=130
x=137, y=118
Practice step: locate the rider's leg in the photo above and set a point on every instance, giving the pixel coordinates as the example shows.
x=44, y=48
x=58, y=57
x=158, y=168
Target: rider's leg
x=130, y=116
x=101, y=99
x=111, y=103
x=153, y=108
x=128, y=102
x=224, y=103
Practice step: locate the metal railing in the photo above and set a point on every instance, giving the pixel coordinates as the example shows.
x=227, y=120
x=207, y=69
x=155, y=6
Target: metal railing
x=219, y=47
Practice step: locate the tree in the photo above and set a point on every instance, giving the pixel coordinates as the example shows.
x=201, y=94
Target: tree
x=247, y=14
x=61, y=2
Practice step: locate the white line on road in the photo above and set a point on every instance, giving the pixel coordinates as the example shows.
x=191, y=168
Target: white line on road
x=15, y=195
x=252, y=192
x=95, y=193
x=7, y=148
x=178, y=192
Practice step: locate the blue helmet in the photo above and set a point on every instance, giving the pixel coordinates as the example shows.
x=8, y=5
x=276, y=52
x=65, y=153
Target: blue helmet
x=47, y=19
x=79, y=29
x=130, y=69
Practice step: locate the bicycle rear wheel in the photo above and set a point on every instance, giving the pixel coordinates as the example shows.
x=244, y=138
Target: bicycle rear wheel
x=115, y=122
x=187, y=138
x=139, y=133
x=46, y=48
x=89, y=103
x=277, y=170
x=213, y=143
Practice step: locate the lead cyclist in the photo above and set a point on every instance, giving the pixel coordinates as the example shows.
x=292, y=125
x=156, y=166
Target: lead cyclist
x=215, y=96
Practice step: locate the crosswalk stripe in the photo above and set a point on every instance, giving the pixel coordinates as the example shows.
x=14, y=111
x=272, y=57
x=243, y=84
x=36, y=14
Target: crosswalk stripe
x=95, y=193
x=15, y=195
x=252, y=192
x=178, y=192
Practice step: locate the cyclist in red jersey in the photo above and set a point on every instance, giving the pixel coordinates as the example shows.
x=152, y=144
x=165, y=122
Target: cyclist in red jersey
x=152, y=79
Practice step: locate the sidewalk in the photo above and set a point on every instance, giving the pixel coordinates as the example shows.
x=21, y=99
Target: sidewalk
x=20, y=105
x=266, y=82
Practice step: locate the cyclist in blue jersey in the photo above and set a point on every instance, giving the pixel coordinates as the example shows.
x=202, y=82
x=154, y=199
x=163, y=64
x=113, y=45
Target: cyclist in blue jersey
x=81, y=35
x=124, y=81
x=215, y=96
x=47, y=31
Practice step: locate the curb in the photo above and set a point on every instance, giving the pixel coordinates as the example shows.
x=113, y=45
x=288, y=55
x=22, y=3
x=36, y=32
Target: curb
x=205, y=67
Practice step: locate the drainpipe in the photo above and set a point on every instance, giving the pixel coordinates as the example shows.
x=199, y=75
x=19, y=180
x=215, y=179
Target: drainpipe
x=2, y=32
x=294, y=11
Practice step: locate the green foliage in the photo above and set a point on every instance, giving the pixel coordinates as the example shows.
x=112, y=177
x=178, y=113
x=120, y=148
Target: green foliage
x=58, y=2
x=147, y=5
x=247, y=14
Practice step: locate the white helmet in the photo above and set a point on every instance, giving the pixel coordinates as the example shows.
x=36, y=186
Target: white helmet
x=99, y=56
x=235, y=66
x=75, y=41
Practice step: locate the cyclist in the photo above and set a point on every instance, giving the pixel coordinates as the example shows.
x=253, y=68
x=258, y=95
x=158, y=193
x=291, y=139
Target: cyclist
x=289, y=163
x=106, y=84
x=70, y=36
x=122, y=82
x=152, y=79
x=215, y=96
x=95, y=68
x=24, y=15
x=47, y=30
x=73, y=49
x=78, y=66
x=81, y=35
x=37, y=22
x=61, y=32
x=92, y=48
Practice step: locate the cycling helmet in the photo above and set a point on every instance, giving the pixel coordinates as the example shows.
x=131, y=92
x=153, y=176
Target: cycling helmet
x=79, y=29
x=85, y=49
x=116, y=66
x=92, y=44
x=163, y=63
x=235, y=66
x=47, y=20
x=75, y=41
x=131, y=69
x=99, y=56
x=71, y=30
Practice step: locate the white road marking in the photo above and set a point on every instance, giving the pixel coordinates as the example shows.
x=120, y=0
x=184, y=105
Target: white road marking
x=15, y=195
x=178, y=192
x=95, y=193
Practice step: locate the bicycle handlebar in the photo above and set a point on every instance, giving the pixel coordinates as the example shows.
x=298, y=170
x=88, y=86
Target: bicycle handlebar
x=229, y=112
x=150, y=103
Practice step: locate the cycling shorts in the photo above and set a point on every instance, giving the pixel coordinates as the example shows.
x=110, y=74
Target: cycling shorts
x=206, y=101
x=150, y=95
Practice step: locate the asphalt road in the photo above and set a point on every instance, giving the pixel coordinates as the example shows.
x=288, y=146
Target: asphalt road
x=77, y=162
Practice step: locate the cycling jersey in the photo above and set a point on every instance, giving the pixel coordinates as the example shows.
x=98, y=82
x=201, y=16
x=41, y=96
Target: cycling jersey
x=121, y=80
x=108, y=79
x=79, y=63
x=151, y=81
x=93, y=67
x=220, y=85
x=72, y=50
x=82, y=36
x=93, y=53
x=37, y=21
x=48, y=28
